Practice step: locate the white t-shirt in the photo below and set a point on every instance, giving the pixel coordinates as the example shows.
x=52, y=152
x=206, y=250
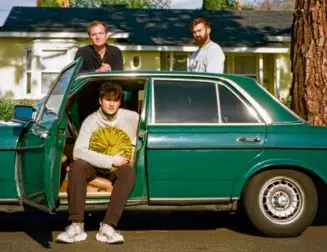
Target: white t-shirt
x=209, y=58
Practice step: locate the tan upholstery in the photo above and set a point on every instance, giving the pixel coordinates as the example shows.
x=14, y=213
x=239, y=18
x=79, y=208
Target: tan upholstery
x=96, y=187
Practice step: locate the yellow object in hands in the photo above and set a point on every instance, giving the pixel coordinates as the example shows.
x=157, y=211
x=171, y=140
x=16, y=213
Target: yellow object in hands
x=111, y=141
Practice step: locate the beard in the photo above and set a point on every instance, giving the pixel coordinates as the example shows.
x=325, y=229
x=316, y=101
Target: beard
x=199, y=41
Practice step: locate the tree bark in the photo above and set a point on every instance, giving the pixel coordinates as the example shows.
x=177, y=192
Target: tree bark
x=309, y=61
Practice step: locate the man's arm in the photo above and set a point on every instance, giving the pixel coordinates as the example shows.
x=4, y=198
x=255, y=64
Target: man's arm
x=120, y=63
x=78, y=54
x=115, y=58
x=85, y=67
x=81, y=148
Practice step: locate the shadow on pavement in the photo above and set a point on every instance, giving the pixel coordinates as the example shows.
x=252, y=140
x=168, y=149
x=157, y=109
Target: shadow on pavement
x=40, y=226
x=321, y=217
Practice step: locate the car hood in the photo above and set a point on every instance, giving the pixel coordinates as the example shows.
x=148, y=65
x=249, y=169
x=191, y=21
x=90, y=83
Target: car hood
x=9, y=134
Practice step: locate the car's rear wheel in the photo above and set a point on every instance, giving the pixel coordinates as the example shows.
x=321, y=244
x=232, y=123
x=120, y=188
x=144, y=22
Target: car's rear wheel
x=281, y=203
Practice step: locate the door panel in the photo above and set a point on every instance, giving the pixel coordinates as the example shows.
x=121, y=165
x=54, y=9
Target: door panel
x=43, y=140
x=202, y=133
x=202, y=161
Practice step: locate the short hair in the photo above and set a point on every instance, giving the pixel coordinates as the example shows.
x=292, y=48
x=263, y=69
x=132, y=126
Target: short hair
x=197, y=21
x=96, y=23
x=111, y=91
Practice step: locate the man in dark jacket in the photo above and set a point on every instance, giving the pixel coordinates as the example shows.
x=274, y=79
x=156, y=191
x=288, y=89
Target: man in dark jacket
x=99, y=56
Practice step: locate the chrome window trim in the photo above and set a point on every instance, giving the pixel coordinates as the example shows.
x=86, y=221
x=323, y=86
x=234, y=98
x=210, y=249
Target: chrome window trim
x=219, y=123
x=178, y=79
x=245, y=104
x=152, y=120
x=262, y=112
x=218, y=104
x=209, y=124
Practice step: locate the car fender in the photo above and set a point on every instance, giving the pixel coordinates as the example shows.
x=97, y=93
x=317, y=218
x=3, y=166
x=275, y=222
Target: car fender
x=270, y=164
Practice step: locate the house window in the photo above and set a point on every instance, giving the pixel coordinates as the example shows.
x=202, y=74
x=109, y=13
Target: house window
x=246, y=65
x=180, y=62
x=28, y=70
x=174, y=61
x=185, y=101
x=52, y=62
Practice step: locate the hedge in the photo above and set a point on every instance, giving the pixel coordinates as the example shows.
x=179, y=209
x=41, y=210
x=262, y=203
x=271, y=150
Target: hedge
x=7, y=107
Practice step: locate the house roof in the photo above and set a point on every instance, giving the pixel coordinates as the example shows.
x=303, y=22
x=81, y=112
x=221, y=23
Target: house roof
x=156, y=26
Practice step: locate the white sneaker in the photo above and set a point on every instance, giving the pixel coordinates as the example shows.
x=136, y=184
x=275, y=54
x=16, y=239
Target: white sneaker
x=73, y=233
x=108, y=234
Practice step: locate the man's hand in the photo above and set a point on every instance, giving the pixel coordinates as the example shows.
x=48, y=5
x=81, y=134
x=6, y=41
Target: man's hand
x=118, y=160
x=104, y=68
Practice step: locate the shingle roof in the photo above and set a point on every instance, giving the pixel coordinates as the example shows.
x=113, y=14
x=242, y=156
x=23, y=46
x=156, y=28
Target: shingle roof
x=156, y=26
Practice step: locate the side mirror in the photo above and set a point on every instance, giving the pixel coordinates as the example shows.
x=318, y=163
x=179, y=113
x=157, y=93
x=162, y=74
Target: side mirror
x=24, y=112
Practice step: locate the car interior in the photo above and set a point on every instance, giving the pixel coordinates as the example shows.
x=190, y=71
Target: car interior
x=84, y=102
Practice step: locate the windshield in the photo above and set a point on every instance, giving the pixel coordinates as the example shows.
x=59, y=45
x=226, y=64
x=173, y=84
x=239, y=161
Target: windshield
x=53, y=103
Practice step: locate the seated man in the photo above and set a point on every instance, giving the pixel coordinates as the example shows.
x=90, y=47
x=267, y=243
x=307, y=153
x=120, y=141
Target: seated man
x=86, y=161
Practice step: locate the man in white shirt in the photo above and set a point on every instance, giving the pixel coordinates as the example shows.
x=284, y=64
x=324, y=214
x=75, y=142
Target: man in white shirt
x=209, y=57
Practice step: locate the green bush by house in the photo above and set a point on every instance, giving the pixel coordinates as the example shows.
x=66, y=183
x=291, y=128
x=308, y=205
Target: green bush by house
x=7, y=107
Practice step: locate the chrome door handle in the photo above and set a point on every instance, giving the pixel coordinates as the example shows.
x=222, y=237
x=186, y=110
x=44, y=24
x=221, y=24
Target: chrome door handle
x=248, y=139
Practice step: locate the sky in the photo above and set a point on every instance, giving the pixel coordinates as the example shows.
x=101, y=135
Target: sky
x=6, y=5
x=186, y=4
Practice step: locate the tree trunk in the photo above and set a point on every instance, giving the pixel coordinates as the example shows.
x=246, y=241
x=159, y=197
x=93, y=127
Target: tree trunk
x=309, y=61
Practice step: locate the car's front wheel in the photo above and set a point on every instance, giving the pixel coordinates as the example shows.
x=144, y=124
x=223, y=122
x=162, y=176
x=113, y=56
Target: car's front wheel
x=281, y=203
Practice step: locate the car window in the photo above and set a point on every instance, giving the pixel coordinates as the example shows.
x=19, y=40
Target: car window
x=233, y=110
x=183, y=101
x=54, y=100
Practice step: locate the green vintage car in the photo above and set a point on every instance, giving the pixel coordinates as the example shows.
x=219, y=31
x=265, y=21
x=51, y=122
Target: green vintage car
x=208, y=141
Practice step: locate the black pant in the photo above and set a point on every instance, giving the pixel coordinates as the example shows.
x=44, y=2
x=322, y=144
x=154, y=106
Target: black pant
x=80, y=173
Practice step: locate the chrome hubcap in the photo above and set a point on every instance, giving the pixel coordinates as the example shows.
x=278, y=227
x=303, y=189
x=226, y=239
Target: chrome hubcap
x=281, y=200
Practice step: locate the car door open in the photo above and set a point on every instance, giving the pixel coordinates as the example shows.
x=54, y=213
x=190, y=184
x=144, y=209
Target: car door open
x=41, y=145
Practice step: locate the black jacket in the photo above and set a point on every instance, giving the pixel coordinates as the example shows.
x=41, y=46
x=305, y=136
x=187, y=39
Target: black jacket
x=92, y=60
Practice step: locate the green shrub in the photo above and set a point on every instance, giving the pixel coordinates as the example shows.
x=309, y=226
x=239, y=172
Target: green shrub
x=7, y=107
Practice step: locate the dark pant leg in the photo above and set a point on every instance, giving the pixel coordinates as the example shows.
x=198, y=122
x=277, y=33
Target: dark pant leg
x=123, y=186
x=80, y=173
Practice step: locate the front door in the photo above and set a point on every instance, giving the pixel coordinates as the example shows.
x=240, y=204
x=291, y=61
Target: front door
x=41, y=145
x=202, y=134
